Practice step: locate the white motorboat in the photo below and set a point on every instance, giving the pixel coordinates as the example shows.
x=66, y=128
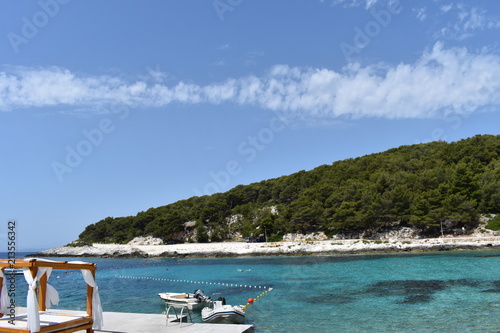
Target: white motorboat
x=192, y=301
x=220, y=312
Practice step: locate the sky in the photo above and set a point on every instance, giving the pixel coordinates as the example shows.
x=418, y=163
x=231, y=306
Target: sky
x=109, y=108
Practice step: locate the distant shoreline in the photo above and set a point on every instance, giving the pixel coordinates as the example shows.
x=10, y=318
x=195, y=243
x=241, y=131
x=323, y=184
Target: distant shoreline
x=237, y=249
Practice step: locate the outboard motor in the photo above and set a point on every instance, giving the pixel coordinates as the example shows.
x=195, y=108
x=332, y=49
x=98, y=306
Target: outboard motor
x=200, y=295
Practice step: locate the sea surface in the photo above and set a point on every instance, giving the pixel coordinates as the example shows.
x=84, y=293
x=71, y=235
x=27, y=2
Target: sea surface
x=455, y=291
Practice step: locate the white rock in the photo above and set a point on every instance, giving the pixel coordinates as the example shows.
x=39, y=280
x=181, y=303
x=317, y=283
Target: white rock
x=148, y=240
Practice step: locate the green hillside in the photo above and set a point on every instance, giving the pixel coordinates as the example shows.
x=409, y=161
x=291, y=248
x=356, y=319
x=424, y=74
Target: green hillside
x=424, y=186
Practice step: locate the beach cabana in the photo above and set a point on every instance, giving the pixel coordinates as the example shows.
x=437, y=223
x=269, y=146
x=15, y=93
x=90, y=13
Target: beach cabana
x=38, y=317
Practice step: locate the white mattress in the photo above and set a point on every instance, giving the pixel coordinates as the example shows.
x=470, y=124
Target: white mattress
x=47, y=318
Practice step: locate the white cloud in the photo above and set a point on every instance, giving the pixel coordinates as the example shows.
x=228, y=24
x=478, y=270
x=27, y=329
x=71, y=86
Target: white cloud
x=156, y=74
x=420, y=13
x=465, y=21
x=370, y=3
x=446, y=8
x=346, y=3
x=367, y=4
x=439, y=82
x=354, y=3
x=472, y=19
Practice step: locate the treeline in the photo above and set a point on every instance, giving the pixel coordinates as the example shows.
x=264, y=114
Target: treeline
x=426, y=186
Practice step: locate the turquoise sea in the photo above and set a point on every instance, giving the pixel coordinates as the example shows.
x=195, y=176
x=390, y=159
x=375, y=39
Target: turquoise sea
x=457, y=291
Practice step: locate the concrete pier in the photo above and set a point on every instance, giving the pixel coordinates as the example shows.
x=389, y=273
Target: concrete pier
x=120, y=322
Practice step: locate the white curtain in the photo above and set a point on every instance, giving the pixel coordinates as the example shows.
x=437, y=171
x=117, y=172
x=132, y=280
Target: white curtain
x=4, y=294
x=96, y=300
x=32, y=302
x=51, y=295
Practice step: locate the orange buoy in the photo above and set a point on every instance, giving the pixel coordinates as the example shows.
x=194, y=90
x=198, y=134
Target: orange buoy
x=250, y=300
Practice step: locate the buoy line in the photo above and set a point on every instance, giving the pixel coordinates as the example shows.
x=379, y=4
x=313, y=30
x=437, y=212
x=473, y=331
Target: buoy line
x=253, y=300
x=194, y=282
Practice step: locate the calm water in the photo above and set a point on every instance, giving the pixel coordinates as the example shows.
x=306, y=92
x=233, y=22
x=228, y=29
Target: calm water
x=429, y=292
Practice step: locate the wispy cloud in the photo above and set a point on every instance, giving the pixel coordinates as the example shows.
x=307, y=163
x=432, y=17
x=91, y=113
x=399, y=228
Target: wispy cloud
x=441, y=81
x=464, y=21
x=354, y=3
x=156, y=74
x=446, y=8
x=420, y=13
x=251, y=57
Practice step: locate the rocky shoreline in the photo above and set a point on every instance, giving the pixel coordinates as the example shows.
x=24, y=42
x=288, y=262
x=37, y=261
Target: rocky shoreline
x=231, y=249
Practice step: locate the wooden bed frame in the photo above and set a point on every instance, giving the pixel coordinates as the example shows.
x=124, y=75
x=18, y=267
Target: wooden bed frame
x=50, y=321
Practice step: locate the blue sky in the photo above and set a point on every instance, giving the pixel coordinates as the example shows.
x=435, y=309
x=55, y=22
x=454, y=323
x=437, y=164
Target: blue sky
x=108, y=108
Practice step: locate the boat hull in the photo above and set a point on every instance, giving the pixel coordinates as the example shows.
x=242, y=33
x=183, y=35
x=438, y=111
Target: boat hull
x=226, y=315
x=180, y=300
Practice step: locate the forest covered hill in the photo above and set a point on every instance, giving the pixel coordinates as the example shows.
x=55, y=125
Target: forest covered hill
x=425, y=186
